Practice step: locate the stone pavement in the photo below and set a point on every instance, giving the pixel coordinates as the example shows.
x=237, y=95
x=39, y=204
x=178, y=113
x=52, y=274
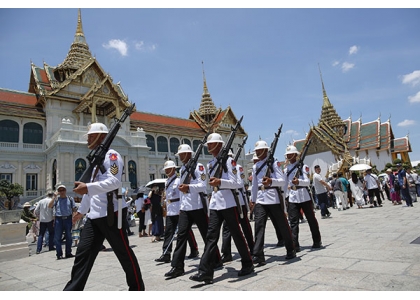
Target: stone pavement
x=370, y=249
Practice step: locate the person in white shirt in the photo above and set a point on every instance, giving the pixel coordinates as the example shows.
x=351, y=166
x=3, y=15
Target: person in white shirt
x=98, y=227
x=46, y=220
x=321, y=190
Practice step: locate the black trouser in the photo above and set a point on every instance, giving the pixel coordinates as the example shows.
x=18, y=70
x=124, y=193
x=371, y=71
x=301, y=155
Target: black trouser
x=323, y=202
x=186, y=220
x=294, y=217
x=246, y=229
x=374, y=193
x=141, y=215
x=278, y=217
x=94, y=232
x=231, y=217
x=170, y=228
x=43, y=226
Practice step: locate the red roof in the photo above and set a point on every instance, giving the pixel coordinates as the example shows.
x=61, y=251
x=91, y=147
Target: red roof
x=17, y=97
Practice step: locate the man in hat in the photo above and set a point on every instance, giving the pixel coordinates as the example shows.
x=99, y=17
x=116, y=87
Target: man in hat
x=46, y=219
x=223, y=208
x=98, y=227
x=267, y=194
x=191, y=210
x=62, y=206
x=28, y=217
x=300, y=198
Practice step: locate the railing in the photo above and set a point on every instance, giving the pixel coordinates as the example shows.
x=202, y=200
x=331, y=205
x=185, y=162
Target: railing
x=24, y=147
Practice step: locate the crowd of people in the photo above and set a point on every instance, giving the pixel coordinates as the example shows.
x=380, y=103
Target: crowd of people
x=285, y=194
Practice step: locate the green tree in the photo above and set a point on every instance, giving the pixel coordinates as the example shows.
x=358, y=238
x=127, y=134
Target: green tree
x=9, y=191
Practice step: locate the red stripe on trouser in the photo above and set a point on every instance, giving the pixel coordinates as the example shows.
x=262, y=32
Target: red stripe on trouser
x=131, y=258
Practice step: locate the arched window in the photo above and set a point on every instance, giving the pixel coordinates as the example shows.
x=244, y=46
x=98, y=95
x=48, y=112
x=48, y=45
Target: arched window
x=196, y=143
x=150, y=140
x=186, y=141
x=32, y=133
x=162, y=144
x=132, y=174
x=174, y=144
x=79, y=168
x=9, y=131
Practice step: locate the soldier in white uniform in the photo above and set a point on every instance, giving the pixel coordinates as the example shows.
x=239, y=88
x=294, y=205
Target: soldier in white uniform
x=172, y=214
x=222, y=208
x=245, y=225
x=97, y=229
x=268, y=204
x=299, y=198
x=191, y=210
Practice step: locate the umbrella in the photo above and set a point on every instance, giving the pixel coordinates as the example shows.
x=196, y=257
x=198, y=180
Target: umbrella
x=360, y=167
x=160, y=182
x=143, y=189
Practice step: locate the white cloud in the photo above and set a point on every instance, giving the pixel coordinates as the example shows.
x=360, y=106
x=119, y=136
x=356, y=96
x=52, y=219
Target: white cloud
x=119, y=45
x=141, y=46
x=412, y=78
x=415, y=98
x=353, y=49
x=335, y=63
x=346, y=66
x=406, y=123
x=291, y=132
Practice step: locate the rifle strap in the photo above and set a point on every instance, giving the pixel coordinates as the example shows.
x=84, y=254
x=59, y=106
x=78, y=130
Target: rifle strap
x=261, y=167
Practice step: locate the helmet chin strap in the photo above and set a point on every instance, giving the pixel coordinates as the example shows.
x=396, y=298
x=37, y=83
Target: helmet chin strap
x=90, y=146
x=262, y=154
x=213, y=148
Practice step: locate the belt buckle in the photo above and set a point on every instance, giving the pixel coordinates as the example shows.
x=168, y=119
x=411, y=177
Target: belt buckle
x=263, y=188
x=294, y=188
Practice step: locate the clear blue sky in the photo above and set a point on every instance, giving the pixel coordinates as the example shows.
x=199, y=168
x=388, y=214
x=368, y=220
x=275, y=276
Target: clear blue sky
x=261, y=62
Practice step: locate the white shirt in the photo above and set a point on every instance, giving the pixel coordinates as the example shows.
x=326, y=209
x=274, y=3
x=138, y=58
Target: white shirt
x=45, y=213
x=172, y=192
x=270, y=195
x=319, y=187
x=192, y=200
x=302, y=194
x=371, y=181
x=223, y=198
x=95, y=203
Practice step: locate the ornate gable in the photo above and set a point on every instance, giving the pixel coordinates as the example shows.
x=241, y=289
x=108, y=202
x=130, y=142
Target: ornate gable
x=369, y=135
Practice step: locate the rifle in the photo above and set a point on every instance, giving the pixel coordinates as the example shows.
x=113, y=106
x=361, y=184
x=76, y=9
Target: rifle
x=299, y=164
x=96, y=156
x=245, y=196
x=221, y=159
x=190, y=170
x=270, y=161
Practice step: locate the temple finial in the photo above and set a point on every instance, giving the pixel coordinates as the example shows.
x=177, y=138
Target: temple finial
x=205, y=90
x=324, y=93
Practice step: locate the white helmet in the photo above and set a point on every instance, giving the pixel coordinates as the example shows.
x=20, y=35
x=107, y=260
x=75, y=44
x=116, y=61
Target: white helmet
x=291, y=149
x=97, y=128
x=184, y=148
x=214, y=138
x=261, y=145
x=169, y=164
x=255, y=157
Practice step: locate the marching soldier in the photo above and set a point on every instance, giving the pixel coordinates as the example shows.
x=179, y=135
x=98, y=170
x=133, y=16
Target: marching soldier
x=268, y=203
x=299, y=198
x=223, y=207
x=191, y=211
x=172, y=215
x=100, y=224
